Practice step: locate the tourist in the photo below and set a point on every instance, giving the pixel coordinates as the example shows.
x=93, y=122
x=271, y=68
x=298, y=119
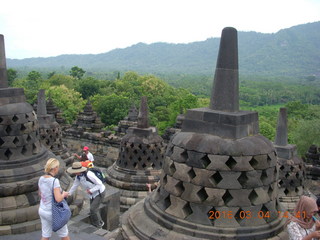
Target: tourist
x=45, y=191
x=86, y=158
x=301, y=224
x=93, y=187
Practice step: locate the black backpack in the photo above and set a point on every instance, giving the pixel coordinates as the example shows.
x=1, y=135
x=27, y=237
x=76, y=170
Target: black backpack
x=98, y=173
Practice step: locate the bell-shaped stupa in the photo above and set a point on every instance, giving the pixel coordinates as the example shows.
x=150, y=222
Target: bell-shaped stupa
x=292, y=172
x=140, y=160
x=220, y=175
x=22, y=159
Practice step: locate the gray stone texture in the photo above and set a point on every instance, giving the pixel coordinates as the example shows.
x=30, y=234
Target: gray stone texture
x=292, y=171
x=225, y=94
x=218, y=163
x=140, y=161
x=143, y=116
x=22, y=159
x=3, y=65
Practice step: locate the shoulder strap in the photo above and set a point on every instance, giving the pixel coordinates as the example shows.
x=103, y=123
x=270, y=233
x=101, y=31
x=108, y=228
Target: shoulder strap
x=87, y=178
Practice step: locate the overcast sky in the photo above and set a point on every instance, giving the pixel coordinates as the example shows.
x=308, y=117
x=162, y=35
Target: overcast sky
x=43, y=28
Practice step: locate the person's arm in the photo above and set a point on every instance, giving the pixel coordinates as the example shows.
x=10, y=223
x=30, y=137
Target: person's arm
x=75, y=185
x=58, y=196
x=77, y=156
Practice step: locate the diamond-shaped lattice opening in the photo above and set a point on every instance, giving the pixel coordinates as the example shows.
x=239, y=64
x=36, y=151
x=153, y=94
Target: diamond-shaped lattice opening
x=264, y=176
x=184, y=155
x=130, y=157
x=125, y=164
x=8, y=153
x=27, y=116
x=215, y=178
x=24, y=150
x=291, y=168
x=139, y=159
x=268, y=158
x=16, y=140
x=212, y=215
x=1, y=119
x=132, y=145
x=253, y=162
x=135, y=165
x=15, y=118
x=287, y=175
x=243, y=179
x=264, y=213
x=240, y=215
x=202, y=194
x=28, y=138
x=231, y=163
x=165, y=180
x=144, y=165
x=205, y=161
x=270, y=191
x=253, y=196
x=135, y=151
x=144, y=152
x=34, y=148
x=286, y=191
x=280, y=183
x=187, y=210
x=167, y=202
x=8, y=130
x=1, y=141
x=153, y=165
x=179, y=187
x=172, y=168
x=281, y=168
x=191, y=173
x=297, y=175
x=296, y=190
x=227, y=197
x=161, y=164
x=140, y=146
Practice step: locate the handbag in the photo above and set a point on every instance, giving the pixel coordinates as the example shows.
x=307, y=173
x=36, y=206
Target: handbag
x=60, y=212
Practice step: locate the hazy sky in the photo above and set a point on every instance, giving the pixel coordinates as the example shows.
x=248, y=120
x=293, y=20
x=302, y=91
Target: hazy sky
x=43, y=28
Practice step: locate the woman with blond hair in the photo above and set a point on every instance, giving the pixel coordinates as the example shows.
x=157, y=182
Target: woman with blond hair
x=45, y=191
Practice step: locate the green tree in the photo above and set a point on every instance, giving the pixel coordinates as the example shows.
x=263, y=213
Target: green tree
x=112, y=108
x=306, y=134
x=12, y=75
x=77, y=72
x=67, y=100
x=60, y=79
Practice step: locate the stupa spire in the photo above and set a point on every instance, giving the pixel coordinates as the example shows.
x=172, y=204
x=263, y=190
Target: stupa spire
x=282, y=129
x=225, y=91
x=3, y=66
x=143, y=117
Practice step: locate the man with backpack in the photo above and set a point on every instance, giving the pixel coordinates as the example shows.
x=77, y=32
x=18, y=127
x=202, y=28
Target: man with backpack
x=93, y=186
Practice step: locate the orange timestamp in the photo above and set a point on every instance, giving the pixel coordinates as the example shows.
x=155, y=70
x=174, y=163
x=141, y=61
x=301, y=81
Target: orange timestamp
x=249, y=215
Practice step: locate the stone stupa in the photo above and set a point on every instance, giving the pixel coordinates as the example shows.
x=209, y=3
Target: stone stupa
x=292, y=173
x=139, y=163
x=22, y=160
x=219, y=176
x=50, y=131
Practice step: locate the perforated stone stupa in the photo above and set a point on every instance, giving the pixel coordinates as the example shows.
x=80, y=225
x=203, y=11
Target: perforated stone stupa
x=50, y=131
x=129, y=121
x=292, y=170
x=22, y=158
x=140, y=160
x=88, y=120
x=220, y=175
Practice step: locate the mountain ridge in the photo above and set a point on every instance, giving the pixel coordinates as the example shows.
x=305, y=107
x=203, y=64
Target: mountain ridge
x=293, y=51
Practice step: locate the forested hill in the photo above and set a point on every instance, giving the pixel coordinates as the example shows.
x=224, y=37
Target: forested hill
x=293, y=51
